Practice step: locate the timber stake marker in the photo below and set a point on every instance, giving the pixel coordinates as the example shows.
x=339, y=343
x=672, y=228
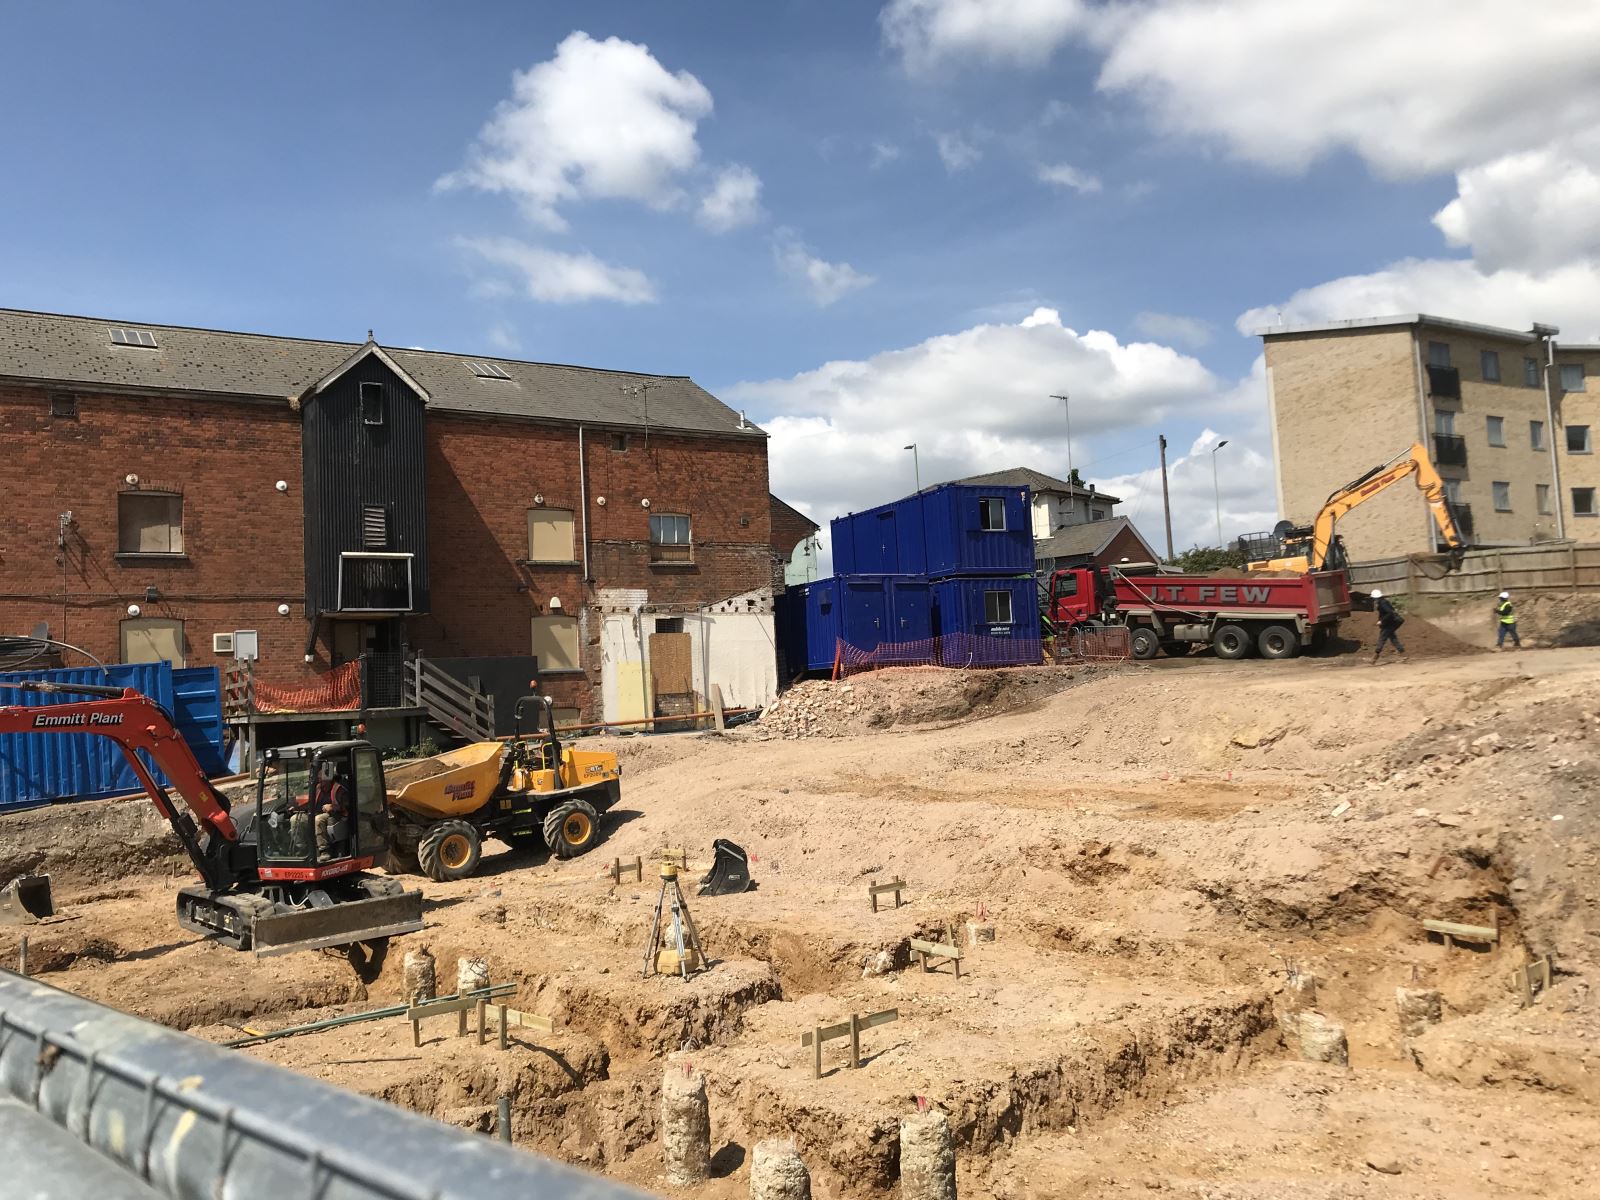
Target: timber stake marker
x=876, y=889
x=851, y=1029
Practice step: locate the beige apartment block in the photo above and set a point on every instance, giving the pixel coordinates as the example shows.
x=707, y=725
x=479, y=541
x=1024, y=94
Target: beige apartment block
x=1578, y=437
x=1349, y=396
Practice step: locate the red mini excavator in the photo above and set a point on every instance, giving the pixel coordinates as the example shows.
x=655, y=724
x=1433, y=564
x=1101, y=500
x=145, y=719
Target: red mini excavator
x=283, y=872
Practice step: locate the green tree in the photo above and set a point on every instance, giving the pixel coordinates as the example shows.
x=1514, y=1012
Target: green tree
x=1200, y=560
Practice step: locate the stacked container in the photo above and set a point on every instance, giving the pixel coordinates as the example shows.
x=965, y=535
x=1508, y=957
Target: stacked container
x=953, y=563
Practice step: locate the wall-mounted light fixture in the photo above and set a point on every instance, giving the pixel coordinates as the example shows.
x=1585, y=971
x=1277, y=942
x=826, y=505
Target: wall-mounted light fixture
x=131, y=480
x=283, y=610
x=555, y=603
x=538, y=497
x=282, y=485
x=600, y=500
x=645, y=503
x=133, y=610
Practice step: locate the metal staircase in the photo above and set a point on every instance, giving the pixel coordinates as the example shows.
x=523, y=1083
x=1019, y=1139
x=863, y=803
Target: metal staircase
x=456, y=707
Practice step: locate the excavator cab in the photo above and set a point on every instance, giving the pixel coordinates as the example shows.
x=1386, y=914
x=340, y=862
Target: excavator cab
x=319, y=804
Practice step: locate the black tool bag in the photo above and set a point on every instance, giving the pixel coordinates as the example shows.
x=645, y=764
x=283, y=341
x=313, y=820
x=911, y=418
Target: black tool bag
x=730, y=870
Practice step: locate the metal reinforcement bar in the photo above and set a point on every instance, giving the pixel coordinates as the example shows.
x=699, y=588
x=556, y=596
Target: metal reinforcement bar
x=180, y=1118
x=371, y=1014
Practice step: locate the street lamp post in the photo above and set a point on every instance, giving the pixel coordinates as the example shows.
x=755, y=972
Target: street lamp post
x=1216, y=492
x=916, y=466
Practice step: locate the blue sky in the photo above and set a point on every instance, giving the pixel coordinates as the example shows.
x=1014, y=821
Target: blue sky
x=932, y=174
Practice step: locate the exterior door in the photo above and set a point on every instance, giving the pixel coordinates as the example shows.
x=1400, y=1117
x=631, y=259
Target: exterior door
x=152, y=639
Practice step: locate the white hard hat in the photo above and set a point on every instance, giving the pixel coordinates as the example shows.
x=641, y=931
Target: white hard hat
x=1505, y=595
x=1376, y=594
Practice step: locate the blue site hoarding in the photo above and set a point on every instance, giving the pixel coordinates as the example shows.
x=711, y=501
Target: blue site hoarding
x=38, y=768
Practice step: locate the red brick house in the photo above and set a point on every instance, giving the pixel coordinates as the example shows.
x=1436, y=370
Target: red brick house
x=351, y=501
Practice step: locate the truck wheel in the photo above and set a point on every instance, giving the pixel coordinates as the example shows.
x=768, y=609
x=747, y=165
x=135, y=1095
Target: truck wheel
x=449, y=850
x=1145, y=643
x=570, y=828
x=1278, y=641
x=1231, y=641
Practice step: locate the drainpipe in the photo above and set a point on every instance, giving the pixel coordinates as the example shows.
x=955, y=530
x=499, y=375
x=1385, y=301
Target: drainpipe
x=1423, y=434
x=1550, y=425
x=583, y=499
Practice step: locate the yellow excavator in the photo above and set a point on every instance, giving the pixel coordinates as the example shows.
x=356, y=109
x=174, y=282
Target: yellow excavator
x=1316, y=547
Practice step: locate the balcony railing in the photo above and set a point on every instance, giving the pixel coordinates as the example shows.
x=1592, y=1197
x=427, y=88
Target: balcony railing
x=1463, y=515
x=1444, y=381
x=1449, y=450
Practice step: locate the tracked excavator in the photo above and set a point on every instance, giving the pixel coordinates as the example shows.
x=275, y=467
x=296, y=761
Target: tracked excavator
x=284, y=872
x=1317, y=547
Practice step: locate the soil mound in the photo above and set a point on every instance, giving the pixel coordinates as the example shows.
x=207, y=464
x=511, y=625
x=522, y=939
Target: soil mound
x=1422, y=639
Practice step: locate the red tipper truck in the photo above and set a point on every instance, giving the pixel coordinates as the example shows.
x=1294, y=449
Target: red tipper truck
x=1233, y=614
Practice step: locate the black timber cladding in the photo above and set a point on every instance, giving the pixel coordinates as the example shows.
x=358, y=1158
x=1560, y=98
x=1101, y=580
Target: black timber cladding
x=353, y=469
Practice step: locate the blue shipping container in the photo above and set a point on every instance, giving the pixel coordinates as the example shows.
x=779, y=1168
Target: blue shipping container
x=864, y=612
x=37, y=768
x=991, y=621
x=954, y=529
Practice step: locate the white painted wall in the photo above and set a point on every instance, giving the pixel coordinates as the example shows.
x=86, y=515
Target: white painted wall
x=802, y=566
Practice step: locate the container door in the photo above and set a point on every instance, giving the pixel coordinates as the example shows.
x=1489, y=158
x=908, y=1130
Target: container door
x=865, y=615
x=888, y=555
x=913, y=612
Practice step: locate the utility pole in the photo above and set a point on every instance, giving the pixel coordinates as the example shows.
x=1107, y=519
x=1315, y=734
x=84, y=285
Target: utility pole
x=1215, y=491
x=1166, y=501
x=1072, y=495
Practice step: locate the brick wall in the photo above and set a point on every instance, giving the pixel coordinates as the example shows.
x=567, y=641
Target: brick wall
x=789, y=528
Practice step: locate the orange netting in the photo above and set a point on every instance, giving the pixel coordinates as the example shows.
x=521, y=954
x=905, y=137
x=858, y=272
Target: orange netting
x=337, y=691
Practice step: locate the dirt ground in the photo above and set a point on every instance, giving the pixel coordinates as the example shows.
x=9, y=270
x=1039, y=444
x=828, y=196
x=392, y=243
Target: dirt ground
x=1160, y=848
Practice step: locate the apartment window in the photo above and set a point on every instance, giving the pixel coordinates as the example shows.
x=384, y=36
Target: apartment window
x=992, y=514
x=1583, y=502
x=1578, y=439
x=1096, y=514
x=550, y=535
x=1452, y=490
x=1497, y=431
x=1541, y=493
x=1444, y=422
x=619, y=441
x=1530, y=372
x=670, y=538
x=149, y=523
x=555, y=643
x=1438, y=354
x=372, y=404
x=1502, y=496
x=997, y=608
x=1572, y=377
x=1536, y=434
x=1489, y=360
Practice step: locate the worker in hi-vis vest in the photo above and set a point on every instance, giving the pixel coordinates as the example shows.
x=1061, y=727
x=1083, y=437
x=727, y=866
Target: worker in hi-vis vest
x=1507, y=617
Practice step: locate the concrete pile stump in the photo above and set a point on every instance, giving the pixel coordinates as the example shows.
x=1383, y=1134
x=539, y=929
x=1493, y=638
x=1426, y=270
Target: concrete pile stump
x=927, y=1157
x=778, y=1173
x=420, y=978
x=685, y=1127
x=1322, y=1040
x=471, y=974
x=1419, y=1008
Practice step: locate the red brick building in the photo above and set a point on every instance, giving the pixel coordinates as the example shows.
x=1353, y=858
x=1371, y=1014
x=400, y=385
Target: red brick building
x=166, y=485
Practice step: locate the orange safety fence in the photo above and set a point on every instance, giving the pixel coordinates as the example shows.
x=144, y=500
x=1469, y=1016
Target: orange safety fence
x=1101, y=644
x=337, y=691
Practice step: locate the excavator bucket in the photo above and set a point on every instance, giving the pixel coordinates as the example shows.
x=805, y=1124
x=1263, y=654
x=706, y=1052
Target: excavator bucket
x=336, y=924
x=26, y=899
x=730, y=870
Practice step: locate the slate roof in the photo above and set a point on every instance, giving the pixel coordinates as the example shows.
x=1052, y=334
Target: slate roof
x=48, y=347
x=1038, y=481
x=1086, y=539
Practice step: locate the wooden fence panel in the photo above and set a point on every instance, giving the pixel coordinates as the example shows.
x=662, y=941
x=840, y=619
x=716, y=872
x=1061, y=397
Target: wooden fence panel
x=1560, y=566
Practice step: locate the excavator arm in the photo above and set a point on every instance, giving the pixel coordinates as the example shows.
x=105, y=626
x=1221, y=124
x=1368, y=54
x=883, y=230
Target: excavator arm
x=135, y=722
x=1414, y=461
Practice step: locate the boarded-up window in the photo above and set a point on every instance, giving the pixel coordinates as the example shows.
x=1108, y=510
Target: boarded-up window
x=550, y=535
x=149, y=523
x=555, y=643
x=152, y=639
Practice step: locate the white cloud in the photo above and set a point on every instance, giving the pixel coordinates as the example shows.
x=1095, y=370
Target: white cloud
x=826, y=281
x=733, y=201
x=927, y=32
x=1412, y=88
x=557, y=278
x=1536, y=210
x=503, y=337
x=1169, y=327
x=1063, y=175
x=600, y=119
x=956, y=152
x=884, y=153
x=1568, y=297
x=973, y=401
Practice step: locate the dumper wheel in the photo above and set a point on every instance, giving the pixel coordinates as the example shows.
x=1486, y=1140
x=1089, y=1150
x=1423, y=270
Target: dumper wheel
x=570, y=828
x=449, y=850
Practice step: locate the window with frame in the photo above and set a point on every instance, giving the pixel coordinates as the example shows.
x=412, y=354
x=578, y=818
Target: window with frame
x=619, y=442
x=1438, y=354
x=1578, y=439
x=1572, y=377
x=1452, y=490
x=372, y=404
x=670, y=538
x=1497, y=431
x=1489, y=362
x=1502, y=495
x=555, y=643
x=149, y=523
x=1541, y=494
x=1444, y=422
x=64, y=404
x=1583, y=502
x=997, y=608
x=992, y=514
x=1536, y=434
x=551, y=535
x=1530, y=372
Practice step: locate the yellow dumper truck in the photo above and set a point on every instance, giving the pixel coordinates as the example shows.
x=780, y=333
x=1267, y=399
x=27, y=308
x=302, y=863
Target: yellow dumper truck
x=529, y=787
